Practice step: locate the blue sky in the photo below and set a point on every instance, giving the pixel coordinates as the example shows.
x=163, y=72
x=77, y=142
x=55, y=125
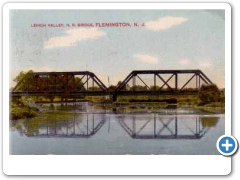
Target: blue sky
x=170, y=39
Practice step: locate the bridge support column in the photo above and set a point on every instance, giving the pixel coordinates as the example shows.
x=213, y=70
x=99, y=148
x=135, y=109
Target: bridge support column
x=51, y=99
x=176, y=82
x=154, y=83
x=114, y=97
x=66, y=101
x=196, y=81
x=51, y=102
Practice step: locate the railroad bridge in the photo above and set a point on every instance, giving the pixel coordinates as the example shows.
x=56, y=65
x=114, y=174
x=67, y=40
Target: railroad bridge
x=85, y=83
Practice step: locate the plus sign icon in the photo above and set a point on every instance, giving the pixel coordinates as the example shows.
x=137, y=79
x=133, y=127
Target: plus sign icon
x=227, y=145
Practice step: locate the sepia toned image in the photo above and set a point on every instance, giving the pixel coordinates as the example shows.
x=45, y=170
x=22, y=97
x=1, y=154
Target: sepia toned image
x=116, y=82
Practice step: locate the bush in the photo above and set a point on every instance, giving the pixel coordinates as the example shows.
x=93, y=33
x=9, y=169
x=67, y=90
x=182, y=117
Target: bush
x=209, y=93
x=19, y=110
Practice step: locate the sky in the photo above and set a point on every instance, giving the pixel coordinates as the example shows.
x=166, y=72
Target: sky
x=164, y=39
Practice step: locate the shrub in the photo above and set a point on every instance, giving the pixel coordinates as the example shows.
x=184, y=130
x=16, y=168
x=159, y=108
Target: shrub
x=209, y=93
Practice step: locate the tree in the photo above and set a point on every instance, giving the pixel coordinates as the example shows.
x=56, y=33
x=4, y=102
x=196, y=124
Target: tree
x=124, y=88
x=21, y=75
x=112, y=88
x=26, y=79
x=209, y=93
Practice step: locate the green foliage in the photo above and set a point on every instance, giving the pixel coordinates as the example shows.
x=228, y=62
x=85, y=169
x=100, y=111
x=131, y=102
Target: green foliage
x=21, y=75
x=24, y=79
x=27, y=81
x=20, y=110
x=209, y=93
x=19, y=113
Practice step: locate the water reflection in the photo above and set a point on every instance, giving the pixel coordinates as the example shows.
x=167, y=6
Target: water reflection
x=167, y=127
x=70, y=125
x=137, y=126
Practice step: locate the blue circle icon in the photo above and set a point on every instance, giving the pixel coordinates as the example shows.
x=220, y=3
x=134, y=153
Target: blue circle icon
x=227, y=145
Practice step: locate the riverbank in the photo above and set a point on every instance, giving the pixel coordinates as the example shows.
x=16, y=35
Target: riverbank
x=20, y=110
x=27, y=108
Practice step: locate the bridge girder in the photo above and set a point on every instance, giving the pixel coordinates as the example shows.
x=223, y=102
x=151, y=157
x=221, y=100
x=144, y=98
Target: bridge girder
x=77, y=83
x=158, y=74
x=59, y=83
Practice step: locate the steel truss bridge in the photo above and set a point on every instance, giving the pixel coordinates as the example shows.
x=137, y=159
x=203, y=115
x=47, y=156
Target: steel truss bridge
x=85, y=83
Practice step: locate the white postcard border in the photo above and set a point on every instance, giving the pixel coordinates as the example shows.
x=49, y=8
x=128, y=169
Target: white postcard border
x=114, y=164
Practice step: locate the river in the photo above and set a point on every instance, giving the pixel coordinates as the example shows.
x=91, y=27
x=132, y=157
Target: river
x=88, y=130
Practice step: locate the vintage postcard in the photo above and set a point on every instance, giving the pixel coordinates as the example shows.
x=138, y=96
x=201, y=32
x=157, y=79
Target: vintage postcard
x=102, y=79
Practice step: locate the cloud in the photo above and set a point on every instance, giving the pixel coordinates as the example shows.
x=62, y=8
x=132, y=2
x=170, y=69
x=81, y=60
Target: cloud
x=184, y=62
x=73, y=36
x=146, y=58
x=164, y=23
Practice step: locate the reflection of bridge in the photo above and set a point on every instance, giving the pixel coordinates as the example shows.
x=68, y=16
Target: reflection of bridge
x=152, y=126
x=69, y=128
x=170, y=127
x=144, y=82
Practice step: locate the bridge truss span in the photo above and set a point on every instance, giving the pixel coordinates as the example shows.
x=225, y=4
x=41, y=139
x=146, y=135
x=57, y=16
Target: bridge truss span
x=85, y=83
x=60, y=83
x=162, y=82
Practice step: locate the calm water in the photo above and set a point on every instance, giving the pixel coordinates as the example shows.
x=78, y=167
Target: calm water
x=80, y=133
